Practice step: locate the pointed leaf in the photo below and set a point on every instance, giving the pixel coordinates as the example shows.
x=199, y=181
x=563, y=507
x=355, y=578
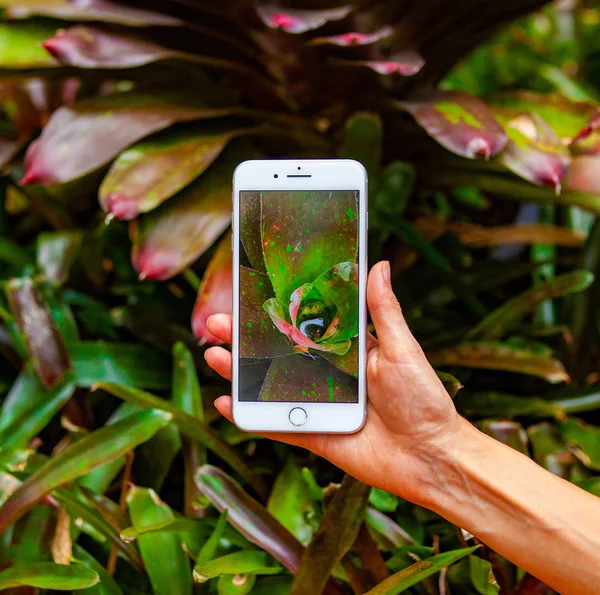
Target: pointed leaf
x=242, y=562
x=84, y=10
x=250, y=518
x=499, y=356
x=47, y=575
x=382, y=500
x=236, y=584
x=169, y=239
x=460, y=122
x=106, y=124
x=587, y=440
x=493, y=404
x=20, y=45
x=209, y=548
x=46, y=347
x=298, y=378
x=87, y=46
x=299, y=21
x=87, y=453
x=122, y=363
x=482, y=576
x=354, y=38
x=398, y=583
x=362, y=140
x=301, y=234
x=545, y=441
x=533, y=151
x=510, y=433
x=153, y=170
x=334, y=538
x=502, y=320
x=107, y=585
x=165, y=560
x=290, y=503
x=191, y=427
x=406, y=63
x=56, y=252
x=216, y=292
x=29, y=407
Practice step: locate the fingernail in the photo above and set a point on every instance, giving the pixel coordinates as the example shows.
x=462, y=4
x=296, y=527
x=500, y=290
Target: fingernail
x=386, y=272
x=205, y=352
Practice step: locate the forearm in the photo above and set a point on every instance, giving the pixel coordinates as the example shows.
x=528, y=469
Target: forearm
x=540, y=522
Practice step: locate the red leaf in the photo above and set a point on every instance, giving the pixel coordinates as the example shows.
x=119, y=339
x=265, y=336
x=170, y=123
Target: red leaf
x=216, y=292
x=405, y=64
x=354, y=38
x=299, y=21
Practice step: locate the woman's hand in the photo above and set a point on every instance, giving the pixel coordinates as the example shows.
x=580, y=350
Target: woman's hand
x=411, y=420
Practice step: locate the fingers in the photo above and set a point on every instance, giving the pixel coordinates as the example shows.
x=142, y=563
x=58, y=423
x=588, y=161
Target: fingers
x=220, y=326
x=393, y=334
x=219, y=360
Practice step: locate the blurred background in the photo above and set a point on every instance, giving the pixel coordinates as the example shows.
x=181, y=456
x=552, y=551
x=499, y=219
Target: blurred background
x=120, y=126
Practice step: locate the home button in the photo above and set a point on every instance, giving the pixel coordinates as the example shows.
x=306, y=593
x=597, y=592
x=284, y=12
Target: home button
x=297, y=416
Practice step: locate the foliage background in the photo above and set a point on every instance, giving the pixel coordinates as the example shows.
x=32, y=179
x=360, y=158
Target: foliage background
x=120, y=127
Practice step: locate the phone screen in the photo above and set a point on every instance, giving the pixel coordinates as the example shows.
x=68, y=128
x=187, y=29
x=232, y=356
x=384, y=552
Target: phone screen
x=299, y=304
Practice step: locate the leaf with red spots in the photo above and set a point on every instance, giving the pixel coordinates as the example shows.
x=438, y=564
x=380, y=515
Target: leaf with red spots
x=304, y=379
x=32, y=315
x=299, y=21
x=405, y=64
x=216, y=292
x=258, y=336
x=354, y=38
x=460, y=122
x=153, y=170
x=92, y=10
x=533, y=151
x=171, y=237
x=86, y=46
x=85, y=136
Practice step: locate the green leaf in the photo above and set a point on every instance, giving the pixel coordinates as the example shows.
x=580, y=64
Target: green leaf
x=451, y=383
x=383, y=501
x=153, y=170
x=155, y=457
x=251, y=519
x=362, y=140
x=398, y=583
x=123, y=363
x=47, y=575
x=290, y=502
x=482, y=576
x=236, y=584
x=109, y=123
x=502, y=320
x=508, y=432
x=107, y=585
x=165, y=560
x=393, y=535
x=312, y=236
x=56, y=252
x=242, y=562
x=545, y=441
x=460, y=122
x=29, y=407
x=20, y=45
x=392, y=194
x=85, y=454
x=500, y=356
x=493, y=404
x=586, y=439
x=334, y=538
x=44, y=343
x=173, y=236
x=209, y=548
x=191, y=427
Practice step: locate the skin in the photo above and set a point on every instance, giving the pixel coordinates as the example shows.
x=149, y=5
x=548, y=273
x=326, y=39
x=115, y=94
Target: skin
x=415, y=445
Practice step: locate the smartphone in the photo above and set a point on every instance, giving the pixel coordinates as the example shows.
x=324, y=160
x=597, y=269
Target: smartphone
x=299, y=304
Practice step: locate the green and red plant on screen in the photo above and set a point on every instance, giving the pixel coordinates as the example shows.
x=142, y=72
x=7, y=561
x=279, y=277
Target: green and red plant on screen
x=299, y=292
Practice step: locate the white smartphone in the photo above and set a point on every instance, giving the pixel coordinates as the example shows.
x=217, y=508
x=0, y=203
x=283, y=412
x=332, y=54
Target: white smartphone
x=299, y=304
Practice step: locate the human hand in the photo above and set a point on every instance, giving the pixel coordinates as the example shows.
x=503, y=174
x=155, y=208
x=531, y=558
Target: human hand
x=411, y=420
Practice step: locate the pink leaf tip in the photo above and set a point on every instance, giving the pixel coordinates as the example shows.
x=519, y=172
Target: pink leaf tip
x=478, y=148
x=30, y=177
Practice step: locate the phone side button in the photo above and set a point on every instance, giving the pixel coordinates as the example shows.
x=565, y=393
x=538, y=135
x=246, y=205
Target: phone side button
x=297, y=416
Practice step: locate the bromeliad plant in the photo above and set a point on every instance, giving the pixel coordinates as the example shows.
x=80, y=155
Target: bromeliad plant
x=120, y=126
x=301, y=251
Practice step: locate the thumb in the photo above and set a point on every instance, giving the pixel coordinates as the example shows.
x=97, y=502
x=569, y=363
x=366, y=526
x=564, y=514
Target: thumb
x=395, y=339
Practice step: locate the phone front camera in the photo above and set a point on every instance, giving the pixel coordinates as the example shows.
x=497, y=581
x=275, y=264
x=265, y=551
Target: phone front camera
x=275, y=176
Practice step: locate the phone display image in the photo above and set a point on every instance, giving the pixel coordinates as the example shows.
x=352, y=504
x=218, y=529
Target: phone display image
x=298, y=285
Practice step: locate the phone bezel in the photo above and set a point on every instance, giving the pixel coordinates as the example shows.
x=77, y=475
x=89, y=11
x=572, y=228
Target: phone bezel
x=325, y=174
